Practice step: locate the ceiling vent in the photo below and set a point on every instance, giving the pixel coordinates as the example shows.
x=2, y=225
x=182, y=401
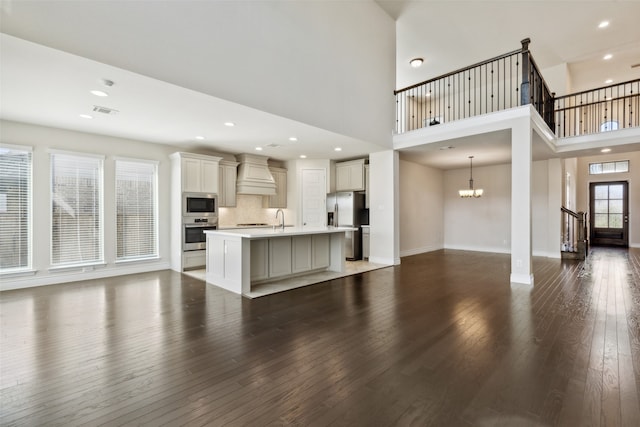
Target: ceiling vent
x=104, y=110
x=274, y=145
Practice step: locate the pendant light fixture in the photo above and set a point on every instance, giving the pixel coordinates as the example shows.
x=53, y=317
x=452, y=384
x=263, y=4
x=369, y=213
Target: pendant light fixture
x=471, y=192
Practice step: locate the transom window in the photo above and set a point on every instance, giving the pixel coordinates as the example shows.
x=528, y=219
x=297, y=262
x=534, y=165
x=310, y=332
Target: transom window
x=609, y=167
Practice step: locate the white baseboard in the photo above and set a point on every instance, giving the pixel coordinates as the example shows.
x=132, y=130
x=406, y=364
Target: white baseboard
x=49, y=278
x=521, y=278
x=495, y=250
x=422, y=250
x=387, y=261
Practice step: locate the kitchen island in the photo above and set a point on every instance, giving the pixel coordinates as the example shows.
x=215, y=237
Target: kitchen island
x=238, y=259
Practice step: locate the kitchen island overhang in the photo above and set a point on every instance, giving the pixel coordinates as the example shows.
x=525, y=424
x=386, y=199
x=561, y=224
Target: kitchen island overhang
x=238, y=259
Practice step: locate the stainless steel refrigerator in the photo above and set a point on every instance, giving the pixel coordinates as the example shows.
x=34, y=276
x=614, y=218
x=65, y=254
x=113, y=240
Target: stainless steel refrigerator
x=344, y=210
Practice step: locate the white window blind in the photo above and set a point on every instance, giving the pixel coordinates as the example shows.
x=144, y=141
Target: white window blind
x=76, y=210
x=136, y=212
x=15, y=209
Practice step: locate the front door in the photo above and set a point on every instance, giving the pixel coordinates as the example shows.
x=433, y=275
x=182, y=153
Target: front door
x=609, y=213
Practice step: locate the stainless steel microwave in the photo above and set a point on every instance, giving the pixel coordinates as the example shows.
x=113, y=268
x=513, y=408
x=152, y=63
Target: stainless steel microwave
x=202, y=205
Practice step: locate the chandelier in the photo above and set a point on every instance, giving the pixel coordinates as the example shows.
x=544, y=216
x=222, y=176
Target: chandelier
x=471, y=192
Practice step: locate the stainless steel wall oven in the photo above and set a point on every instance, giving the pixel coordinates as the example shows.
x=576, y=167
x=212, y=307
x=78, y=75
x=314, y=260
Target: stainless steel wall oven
x=193, y=237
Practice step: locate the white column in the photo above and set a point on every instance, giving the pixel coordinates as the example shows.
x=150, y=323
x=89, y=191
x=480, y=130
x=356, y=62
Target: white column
x=521, y=168
x=554, y=202
x=383, y=207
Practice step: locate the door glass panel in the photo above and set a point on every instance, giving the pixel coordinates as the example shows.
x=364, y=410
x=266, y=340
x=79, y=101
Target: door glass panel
x=615, y=191
x=602, y=220
x=615, y=206
x=602, y=192
x=615, y=221
x=602, y=207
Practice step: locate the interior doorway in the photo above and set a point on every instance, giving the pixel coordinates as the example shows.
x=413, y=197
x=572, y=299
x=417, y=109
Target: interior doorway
x=609, y=214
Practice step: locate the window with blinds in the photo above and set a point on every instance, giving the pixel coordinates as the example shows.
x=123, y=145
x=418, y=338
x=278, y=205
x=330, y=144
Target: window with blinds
x=136, y=210
x=15, y=208
x=76, y=210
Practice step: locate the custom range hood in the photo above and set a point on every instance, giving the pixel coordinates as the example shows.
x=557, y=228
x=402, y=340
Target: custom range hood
x=254, y=176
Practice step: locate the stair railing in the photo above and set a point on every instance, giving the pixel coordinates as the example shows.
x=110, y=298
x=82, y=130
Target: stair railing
x=574, y=231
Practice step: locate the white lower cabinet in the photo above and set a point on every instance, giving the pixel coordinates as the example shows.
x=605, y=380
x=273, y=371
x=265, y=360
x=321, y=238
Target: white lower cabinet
x=259, y=259
x=279, y=256
x=301, y=254
x=320, y=251
x=365, y=243
x=232, y=247
x=193, y=259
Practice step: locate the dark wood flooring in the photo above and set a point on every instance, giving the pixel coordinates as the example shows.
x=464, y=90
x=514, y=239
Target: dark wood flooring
x=442, y=339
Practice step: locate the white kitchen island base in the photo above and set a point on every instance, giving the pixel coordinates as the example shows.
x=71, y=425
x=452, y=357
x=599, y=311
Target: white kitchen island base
x=238, y=259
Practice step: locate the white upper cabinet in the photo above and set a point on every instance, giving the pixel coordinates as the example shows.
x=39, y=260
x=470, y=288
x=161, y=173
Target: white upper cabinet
x=279, y=200
x=350, y=175
x=199, y=174
x=227, y=184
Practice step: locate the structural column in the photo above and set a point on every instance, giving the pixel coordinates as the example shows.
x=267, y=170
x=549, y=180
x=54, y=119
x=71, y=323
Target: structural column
x=521, y=170
x=384, y=206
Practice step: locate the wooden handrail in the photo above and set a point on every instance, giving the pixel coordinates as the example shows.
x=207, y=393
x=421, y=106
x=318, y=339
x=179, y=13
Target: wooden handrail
x=469, y=67
x=597, y=89
x=570, y=212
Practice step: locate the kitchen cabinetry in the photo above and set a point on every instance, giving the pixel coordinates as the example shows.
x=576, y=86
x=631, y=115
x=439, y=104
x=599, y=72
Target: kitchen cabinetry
x=199, y=174
x=279, y=256
x=350, y=175
x=365, y=243
x=320, y=251
x=227, y=184
x=259, y=259
x=301, y=253
x=280, y=198
x=366, y=186
x=191, y=173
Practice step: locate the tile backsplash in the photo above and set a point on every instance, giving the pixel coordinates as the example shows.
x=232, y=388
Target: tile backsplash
x=248, y=210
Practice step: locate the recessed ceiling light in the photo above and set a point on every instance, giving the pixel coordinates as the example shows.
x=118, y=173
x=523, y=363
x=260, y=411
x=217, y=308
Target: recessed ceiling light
x=293, y=138
x=230, y=124
x=416, y=62
x=607, y=57
x=258, y=148
x=603, y=24
x=608, y=81
x=337, y=149
x=605, y=150
x=200, y=137
x=86, y=116
x=99, y=93
x=302, y=156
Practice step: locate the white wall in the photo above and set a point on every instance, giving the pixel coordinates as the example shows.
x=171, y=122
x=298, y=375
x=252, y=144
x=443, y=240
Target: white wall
x=325, y=63
x=633, y=176
x=421, y=208
x=484, y=224
x=42, y=139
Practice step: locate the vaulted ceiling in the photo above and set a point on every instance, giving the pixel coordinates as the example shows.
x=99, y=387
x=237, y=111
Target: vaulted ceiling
x=38, y=81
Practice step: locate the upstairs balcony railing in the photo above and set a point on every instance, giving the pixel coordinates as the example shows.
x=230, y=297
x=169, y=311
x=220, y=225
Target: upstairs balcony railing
x=500, y=83
x=599, y=110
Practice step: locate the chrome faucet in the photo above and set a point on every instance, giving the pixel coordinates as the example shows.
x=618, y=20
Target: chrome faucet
x=280, y=211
